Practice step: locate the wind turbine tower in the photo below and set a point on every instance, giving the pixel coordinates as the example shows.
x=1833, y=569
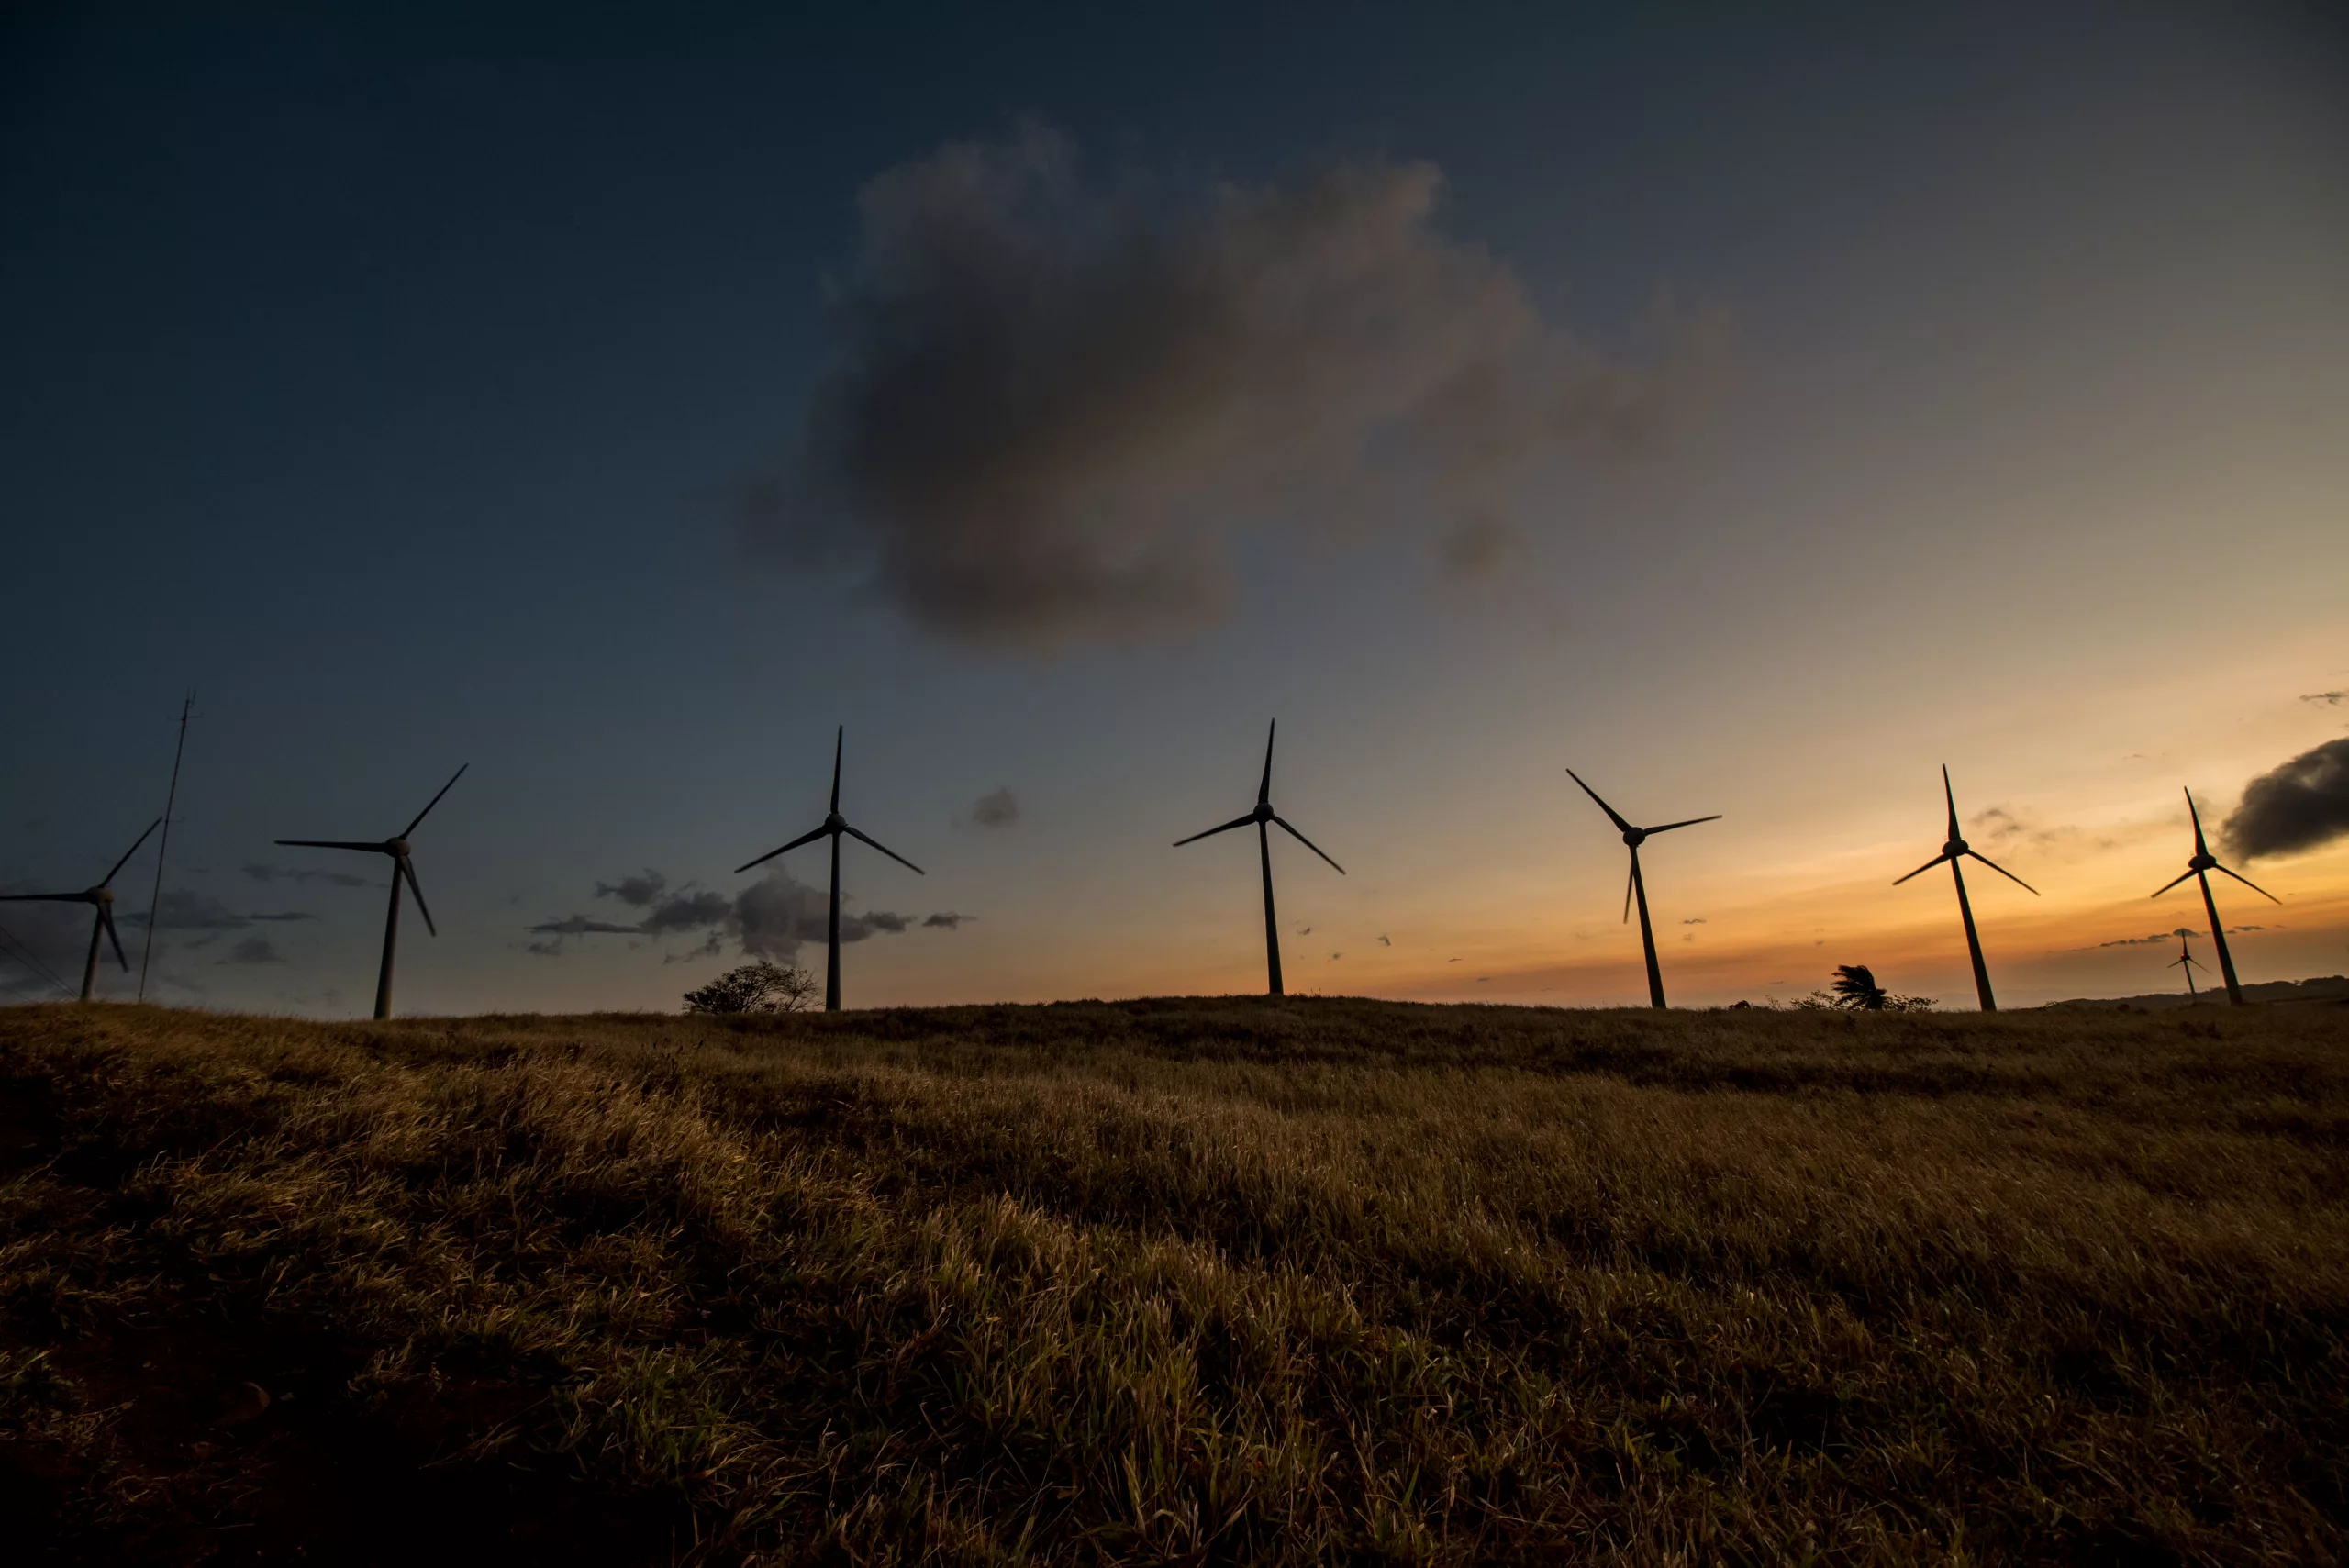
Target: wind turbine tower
x=1953, y=849
x=1637, y=887
x=403, y=869
x=101, y=900
x=1266, y=819
x=2199, y=868
x=2187, y=960
x=834, y=825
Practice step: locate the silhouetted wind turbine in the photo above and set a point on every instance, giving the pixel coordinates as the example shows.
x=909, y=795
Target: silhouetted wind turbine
x=2199, y=868
x=1634, y=838
x=834, y=825
x=1263, y=817
x=101, y=899
x=1953, y=849
x=2186, y=958
x=402, y=868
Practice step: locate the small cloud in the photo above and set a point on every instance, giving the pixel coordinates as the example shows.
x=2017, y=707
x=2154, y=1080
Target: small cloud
x=1305, y=930
x=261, y=871
x=1386, y=943
x=579, y=924
x=287, y=915
x=1335, y=956
x=883, y=920
x=639, y=891
x=1000, y=809
x=253, y=949
x=946, y=921
x=1697, y=921
x=2146, y=940
x=1999, y=825
x=2327, y=699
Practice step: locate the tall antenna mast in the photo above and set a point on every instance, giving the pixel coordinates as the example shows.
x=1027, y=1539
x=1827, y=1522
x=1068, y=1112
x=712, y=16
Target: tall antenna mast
x=155, y=899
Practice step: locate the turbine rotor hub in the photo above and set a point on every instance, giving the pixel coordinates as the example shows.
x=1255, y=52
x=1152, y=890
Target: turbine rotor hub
x=1635, y=837
x=833, y=823
x=396, y=846
x=100, y=895
x=2202, y=863
x=1264, y=812
x=1955, y=848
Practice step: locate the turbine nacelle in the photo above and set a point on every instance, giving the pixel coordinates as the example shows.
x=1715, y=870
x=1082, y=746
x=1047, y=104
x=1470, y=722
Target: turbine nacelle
x=1264, y=812
x=834, y=824
x=395, y=847
x=2204, y=861
x=1956, y=846
x=100, y=895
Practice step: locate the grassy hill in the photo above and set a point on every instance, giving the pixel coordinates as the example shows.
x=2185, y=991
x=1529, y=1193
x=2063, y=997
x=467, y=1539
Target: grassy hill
x=1176, y=1281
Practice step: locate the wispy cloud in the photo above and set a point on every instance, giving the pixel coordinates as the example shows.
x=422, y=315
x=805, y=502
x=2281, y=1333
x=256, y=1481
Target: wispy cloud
x=772, y=918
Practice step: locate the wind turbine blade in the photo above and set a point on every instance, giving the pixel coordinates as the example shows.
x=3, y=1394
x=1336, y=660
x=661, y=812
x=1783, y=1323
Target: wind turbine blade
x=2199, y=848
x=1264, y=790
x=335, y=844
x=2003, y=872
x=808, y=838
x=1235, y=822
x=1630, y=880
x=402, y=867
x=42, y=898
x=1951, y=795
x=1310, y=844
x=433, y=801
x=1690, y=823
x=884, y=850
x=2165, y=886
x=106, y=918
x=1921, y=869
x=2252, y=886
x=839, y=739
x=131, y=851
x=1611, y=817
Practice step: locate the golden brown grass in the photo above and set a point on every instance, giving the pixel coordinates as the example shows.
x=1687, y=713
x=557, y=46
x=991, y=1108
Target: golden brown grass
x=1194, y=1280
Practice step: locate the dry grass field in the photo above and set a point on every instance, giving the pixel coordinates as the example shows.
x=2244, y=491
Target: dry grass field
x=1181, y=1280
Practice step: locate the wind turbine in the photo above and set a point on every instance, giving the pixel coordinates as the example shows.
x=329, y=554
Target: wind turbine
x=1953, y=851
x=1633, y=838
x=101, y=899
x=2199, y=868
x=1264, y=816
x=834, y=825
x=2185, y=958
x=402, y=868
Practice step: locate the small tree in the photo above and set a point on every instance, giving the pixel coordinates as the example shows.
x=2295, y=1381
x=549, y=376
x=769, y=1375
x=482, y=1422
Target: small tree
x=1856, y=991
x=762, y=987
x=1855, y=988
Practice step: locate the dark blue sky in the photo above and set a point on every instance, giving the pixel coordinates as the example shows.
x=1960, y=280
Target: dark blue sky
x=394, y=382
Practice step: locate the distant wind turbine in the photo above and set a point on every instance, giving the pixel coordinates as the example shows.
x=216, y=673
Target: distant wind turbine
x=101, y=900
x=2186, y=959
x=1637, y=887
x=834, y=825
x=403, y=869
x=2199, y=869
x=1265, y=817
x=1953, y=851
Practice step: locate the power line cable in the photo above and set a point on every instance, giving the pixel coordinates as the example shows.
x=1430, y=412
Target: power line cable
x=25, y=956
x=155, y=898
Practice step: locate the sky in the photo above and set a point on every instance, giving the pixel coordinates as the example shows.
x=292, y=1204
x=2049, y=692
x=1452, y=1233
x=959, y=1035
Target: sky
x=1754, y=413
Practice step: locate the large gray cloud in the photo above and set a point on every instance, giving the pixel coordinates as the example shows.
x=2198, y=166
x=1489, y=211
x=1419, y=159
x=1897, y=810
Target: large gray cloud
x=1052, y=401
x=2299, y=805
